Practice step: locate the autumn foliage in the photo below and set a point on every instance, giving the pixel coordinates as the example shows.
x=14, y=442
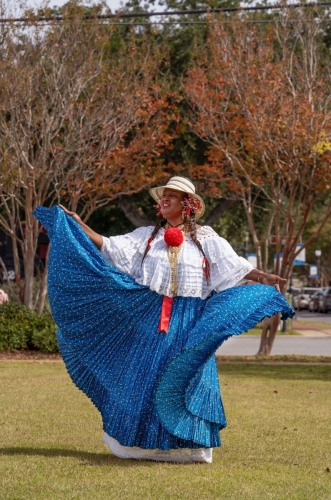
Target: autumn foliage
x=260, y=97
x=84, y=117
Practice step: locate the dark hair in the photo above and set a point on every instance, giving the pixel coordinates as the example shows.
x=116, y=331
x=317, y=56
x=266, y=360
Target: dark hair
x=190, y=221
x=156, y=229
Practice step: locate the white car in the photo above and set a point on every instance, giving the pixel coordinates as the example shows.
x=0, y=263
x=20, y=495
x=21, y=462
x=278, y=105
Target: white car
x=324, y=304
x=301, y=301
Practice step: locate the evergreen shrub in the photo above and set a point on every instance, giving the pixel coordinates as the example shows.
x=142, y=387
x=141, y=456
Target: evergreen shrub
x=44, y=334
x=21, y=328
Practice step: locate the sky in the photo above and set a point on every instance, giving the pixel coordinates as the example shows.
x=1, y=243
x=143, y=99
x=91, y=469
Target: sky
x=112, y=4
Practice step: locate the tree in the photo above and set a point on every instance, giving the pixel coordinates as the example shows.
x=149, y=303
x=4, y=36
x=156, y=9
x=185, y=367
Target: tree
x=260, y=97
x=180, y=35
x=72, y=108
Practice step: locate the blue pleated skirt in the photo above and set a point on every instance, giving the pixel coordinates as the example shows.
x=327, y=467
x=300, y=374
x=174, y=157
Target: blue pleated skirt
x=153, y=390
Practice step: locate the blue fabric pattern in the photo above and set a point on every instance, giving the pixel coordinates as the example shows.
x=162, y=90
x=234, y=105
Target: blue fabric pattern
x=153, y=390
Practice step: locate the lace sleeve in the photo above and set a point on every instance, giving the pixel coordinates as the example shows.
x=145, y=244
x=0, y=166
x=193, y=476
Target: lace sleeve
x=124, y=251
x=227, y=268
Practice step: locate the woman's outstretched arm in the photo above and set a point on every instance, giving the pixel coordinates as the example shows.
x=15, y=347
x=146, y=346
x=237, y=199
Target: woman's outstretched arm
x=95, y=237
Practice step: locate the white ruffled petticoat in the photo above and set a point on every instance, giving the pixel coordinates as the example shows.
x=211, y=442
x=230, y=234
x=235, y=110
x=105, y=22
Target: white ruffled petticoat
x=183, y=456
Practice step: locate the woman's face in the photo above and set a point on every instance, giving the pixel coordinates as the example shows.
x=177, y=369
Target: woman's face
x=171, y=203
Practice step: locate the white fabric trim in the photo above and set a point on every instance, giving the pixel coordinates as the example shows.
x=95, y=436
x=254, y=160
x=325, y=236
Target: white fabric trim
x=227, y=268
x=183, y=455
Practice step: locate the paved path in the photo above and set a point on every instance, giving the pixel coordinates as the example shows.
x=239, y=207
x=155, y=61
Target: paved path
x=313, y=333
x=311, y=329
x=248, y=346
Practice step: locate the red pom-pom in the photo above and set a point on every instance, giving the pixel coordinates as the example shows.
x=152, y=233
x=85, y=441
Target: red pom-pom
x=173, y=237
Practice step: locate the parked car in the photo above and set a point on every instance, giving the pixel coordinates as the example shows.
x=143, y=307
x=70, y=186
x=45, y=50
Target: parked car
x=301, y=301
x=324, y=304
x=313, y=305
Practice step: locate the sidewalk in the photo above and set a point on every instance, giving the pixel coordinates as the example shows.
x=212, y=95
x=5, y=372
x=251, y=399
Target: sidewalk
x=307, y=329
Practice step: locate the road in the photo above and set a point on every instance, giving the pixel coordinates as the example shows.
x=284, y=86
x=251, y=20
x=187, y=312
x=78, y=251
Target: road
x=310, y=343
x=248, y=346
x=314, y=317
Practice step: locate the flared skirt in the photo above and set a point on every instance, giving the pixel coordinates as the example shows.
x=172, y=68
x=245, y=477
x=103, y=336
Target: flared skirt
x=153, y=390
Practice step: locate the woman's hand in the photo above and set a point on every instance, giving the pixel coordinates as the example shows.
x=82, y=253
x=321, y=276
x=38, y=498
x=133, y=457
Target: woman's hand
x=72, y=214
x=265, y=279
x=273, y=280
x=95, y=237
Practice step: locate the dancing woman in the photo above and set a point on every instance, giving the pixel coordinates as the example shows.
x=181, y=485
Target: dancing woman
x=140, y=317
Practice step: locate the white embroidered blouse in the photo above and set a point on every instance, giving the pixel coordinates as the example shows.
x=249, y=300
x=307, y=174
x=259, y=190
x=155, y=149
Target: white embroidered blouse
x=227, y=269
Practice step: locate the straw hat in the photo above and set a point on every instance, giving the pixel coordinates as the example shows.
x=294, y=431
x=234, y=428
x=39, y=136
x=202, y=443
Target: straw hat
x=180, y=184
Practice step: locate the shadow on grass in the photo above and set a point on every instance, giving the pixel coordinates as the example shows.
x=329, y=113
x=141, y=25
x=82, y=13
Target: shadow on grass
x=85, y=457
x=277, y=371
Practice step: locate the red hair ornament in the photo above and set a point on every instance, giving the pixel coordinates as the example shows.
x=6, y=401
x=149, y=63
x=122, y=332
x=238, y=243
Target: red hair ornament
x=191, y=204
x=158, y=210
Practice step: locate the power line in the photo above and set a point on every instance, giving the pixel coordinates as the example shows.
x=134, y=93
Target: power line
x=246, y=21
x=170, y=13
x=158, y=22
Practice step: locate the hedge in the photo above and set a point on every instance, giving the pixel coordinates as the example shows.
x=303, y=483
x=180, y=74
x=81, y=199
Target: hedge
x=21, y=328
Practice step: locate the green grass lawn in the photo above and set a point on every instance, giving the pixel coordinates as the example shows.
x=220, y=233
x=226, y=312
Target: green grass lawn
x=277, y=445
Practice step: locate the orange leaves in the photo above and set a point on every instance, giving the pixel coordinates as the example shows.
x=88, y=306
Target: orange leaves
x=264, y=110
x=254, y=107
x=90, y=114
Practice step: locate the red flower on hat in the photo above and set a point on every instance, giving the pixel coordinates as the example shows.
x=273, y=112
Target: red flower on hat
x=173, y=237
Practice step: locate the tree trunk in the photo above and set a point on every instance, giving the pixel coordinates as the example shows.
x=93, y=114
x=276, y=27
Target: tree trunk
x=28, y=279
x=29, y=250
x=269, y=331
x=134, y=214
x=17, y=267
x=43, y=286
x=214, y=216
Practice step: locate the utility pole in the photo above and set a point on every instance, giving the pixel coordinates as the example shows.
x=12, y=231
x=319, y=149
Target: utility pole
x=318, y=254
x=246, y=240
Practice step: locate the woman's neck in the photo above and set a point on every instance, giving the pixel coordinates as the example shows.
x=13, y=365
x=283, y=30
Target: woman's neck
x=175, y=221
